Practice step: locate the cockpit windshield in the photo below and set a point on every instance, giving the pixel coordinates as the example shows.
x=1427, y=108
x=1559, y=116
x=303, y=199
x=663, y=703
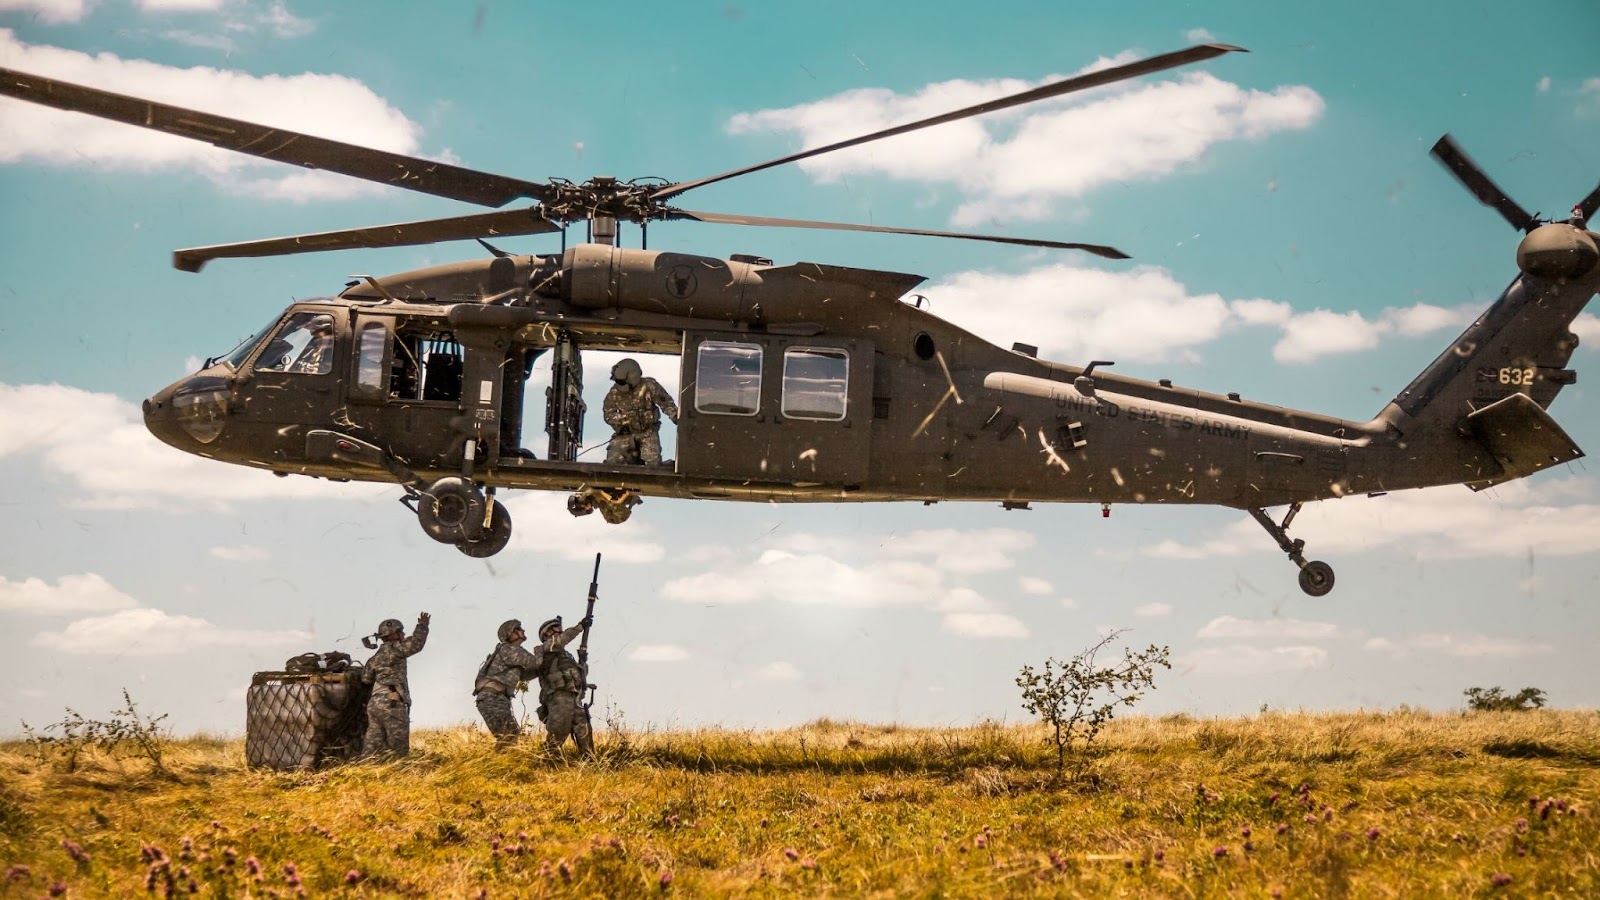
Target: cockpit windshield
x=235, y=357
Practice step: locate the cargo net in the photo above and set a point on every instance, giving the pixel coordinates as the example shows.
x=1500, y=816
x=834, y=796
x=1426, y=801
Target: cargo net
x=303, y=720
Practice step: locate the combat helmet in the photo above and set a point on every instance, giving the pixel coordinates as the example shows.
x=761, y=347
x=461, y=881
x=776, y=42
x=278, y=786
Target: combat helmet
x=545, y=626
x=627, y=371
x=507, y=628
x=390, y=628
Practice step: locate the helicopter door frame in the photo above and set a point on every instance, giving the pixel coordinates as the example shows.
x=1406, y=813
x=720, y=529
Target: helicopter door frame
x=775, y=408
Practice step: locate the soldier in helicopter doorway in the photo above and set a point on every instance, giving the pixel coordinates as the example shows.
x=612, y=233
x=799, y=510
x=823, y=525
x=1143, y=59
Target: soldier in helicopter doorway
x=561, y=687
x=389, y=708
x=633, y=409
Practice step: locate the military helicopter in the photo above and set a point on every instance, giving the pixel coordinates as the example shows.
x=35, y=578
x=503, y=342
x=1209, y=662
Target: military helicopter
x=804, y=382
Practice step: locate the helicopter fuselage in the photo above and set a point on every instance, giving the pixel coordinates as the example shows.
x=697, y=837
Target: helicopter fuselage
x=806, y=383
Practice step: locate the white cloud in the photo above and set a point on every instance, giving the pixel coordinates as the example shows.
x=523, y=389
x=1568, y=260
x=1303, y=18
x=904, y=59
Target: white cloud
x=1542, y=516
x=1543, y=84
x=188, y=6
x=1469, y=646
x=984, y=625
x=283, y=23
x=70, y=594
x=151, y=632
x=1069, y=312
x=1309, y=336
x=1035, y=586
x=1244, y=659
x=805, y=569
x=778, y=671
x=1296, y=629
x=658, y=653
x=1589, y=97
x=241, y=553
x=1147, y=315
x=1587, y=327
x=987, y=550
x=332, y=106
x=50, y=12
x=1200, y=36
x=1153, y=610
x=1017, y=164
x=73, y=432
x=1320, y=333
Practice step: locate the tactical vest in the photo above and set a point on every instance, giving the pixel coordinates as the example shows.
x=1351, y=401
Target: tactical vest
x=561, y=673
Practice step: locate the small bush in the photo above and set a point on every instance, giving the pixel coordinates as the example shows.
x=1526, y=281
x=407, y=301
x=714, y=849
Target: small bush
x=1495, y=700
x=126, y=731
x=1077, y=698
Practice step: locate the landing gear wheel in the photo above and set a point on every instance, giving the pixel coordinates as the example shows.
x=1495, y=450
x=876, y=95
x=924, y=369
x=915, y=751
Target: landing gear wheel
x=1316, y=578
x=451, y=511
x=495, y=539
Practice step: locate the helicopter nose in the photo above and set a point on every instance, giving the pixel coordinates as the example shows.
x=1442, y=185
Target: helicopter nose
x=189, y=412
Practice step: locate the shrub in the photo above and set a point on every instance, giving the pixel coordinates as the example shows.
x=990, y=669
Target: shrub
x=1077, y=698
x=1494, y=700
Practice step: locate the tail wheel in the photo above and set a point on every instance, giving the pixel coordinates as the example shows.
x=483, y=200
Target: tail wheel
x=451, y=511
x=495, y=540
x=1316, y=578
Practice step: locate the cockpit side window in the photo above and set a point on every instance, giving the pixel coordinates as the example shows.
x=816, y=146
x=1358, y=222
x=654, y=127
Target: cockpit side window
x=236, y=357
x=304, y=345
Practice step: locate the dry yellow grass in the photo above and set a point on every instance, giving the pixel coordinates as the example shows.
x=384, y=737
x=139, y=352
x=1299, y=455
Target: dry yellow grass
x=1399, y=804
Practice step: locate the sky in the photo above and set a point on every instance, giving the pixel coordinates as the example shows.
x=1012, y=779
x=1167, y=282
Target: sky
x=1291, y=240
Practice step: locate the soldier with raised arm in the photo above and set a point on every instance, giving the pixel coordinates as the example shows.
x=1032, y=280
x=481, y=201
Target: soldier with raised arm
x=561, y=687
x=389, y=707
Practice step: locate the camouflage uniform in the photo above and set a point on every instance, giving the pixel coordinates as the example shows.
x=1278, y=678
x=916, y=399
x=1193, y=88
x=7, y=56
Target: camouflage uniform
x=633, y=409
x=560, y=687
x=389, y=709
x=498, y=678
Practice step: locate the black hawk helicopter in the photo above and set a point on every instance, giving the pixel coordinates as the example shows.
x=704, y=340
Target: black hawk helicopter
x=804, y=382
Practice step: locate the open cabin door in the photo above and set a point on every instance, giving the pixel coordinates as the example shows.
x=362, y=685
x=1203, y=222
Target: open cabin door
x=769, y=408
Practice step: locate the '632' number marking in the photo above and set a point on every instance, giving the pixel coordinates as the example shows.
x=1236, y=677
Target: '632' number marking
x=1511, y=375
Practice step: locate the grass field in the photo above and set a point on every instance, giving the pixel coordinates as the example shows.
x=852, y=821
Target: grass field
x=1403, y=804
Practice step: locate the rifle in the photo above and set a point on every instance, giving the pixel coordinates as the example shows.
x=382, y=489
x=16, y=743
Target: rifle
x=583, y=643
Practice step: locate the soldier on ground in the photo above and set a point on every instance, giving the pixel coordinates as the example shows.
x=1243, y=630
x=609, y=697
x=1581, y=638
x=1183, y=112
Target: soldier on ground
x=389, y=708
x=633, y=409
x=561, y=685
x=507, y=666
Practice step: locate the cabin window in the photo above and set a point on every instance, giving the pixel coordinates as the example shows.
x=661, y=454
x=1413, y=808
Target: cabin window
x=816, y=381
x=371, y=376
x=303, y=346
x=728, y=379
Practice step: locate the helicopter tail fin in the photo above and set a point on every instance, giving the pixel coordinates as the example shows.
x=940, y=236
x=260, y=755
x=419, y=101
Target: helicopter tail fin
x=1492, y=387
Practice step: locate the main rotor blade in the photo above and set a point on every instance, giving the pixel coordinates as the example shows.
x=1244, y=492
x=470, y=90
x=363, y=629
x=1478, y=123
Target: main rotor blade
x=728, y=219
x=412, y=173
x=1472, y=178
x=403, y=234
x=1082, y=82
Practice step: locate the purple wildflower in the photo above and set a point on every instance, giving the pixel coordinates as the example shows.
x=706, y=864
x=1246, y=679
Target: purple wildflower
x=1500, y=879
x=791, y=853
x=665, y=881
x=58, y=889
x=75, y=850
x=1220, y=852
x=17, y=872
x=1373, y=833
